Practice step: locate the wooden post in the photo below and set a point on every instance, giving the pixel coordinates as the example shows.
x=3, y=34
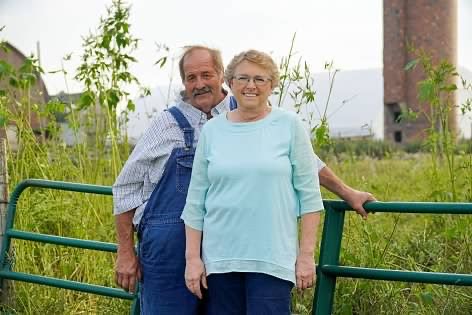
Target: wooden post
x=4, y=288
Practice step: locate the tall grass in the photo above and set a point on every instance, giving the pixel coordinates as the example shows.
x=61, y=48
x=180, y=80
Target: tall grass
x=438, y=243
x=89, y=160
x=412, y=242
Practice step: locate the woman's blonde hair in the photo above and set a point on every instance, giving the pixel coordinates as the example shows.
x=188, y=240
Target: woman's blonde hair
x=257, y=57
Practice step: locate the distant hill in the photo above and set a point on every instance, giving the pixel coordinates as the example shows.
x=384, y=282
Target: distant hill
x=356, y=103
x=355, y=107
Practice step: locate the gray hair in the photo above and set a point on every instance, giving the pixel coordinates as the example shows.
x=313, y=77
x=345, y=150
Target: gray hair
x=257, y=57
x=214, y=53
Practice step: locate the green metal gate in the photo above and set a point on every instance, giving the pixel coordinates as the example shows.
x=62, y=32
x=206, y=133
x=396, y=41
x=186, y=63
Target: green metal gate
x=6, y=271
x=327, y=272
x=329, y=269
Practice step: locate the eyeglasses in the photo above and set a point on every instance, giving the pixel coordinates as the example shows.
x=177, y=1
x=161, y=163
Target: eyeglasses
x=258, y=80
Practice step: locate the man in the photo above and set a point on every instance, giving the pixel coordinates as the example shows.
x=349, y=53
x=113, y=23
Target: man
x=151, y=189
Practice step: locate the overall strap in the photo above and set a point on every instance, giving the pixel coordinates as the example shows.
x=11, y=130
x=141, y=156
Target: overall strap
x=232, y=103
x=184, y=125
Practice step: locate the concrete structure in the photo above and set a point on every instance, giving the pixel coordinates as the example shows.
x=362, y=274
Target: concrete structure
x=427, y=24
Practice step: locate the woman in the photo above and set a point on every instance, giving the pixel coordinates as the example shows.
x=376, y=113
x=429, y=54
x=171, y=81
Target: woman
x=254, y=174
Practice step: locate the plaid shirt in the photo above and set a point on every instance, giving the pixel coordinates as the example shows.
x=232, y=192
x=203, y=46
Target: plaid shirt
x=145, y=166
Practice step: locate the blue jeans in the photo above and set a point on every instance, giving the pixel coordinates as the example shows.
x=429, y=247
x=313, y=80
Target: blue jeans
x=248, y=293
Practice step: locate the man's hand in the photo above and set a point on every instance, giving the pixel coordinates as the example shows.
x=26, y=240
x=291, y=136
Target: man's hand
x=127, y=271
x=305, y=271
x=356, y=200
x=195, y=276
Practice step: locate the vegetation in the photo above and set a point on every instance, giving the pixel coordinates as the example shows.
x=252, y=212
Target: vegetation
x=401, y=241
x=296, y=81
x=410, y=242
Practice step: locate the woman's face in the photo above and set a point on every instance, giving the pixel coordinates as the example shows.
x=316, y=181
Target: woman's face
x=251, y=85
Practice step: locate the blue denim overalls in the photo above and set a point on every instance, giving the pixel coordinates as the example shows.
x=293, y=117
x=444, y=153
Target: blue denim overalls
x=162, y=234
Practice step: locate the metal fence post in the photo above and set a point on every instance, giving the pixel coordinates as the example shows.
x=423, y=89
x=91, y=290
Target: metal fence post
x=329, y=254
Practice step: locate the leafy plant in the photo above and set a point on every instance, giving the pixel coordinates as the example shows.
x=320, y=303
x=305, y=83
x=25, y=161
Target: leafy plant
x=296, y=81
x=105, y=74
x=437, y=90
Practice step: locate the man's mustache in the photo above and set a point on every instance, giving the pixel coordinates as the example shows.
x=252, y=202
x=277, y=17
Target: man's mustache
x=201, y=91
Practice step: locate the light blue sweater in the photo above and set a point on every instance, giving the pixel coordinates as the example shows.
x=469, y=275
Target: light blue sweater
x=250, y=182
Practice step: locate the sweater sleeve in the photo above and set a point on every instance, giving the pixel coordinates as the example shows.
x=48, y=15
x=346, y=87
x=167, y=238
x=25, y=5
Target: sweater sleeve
x=304, y=169
x=194, y=209
x=319, y=163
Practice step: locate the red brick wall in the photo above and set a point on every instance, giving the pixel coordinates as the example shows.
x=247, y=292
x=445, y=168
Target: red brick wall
x=38, y=92
x=394, y=53
x=427, y=24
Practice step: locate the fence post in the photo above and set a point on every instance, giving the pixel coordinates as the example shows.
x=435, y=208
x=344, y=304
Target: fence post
x=4, y=284
x=329, y=254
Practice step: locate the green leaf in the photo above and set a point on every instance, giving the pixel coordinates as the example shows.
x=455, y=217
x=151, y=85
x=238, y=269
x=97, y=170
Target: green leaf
x=449, y=88
x=27, y=79
x=112, y=98
x=120, y=41
x=55, y=107
x=321, y=133
x=411, y=64
x=131, y=106
x=13, y=82
x=5, y=68
x=328, y=65
x=106, y=41
x=67, y=57
x=426, y=90
x=145, y=91
x=161, y=61
x=125, y=27
x=407, y=115
x=55, y=71
x=85, y=100
x=3, y=119
x=309, y=96
x=466, y=106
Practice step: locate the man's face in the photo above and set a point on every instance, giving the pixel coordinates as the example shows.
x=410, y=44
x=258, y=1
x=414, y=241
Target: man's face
x=202, y=82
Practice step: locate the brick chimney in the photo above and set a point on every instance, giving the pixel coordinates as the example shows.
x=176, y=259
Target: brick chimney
x=426, y=24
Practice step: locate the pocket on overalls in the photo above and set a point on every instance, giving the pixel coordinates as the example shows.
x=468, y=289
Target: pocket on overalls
x=184, y=172
x=162, y=247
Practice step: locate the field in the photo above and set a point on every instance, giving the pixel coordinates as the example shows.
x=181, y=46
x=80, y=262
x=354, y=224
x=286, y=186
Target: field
x=409, y=242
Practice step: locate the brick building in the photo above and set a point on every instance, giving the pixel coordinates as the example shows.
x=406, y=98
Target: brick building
x=38, y=93
x=427, y=24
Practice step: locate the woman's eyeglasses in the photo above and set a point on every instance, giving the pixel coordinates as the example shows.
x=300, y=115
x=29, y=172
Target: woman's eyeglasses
x=258, y=80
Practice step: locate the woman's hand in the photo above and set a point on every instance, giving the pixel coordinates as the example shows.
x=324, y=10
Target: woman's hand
x=195, y=276
x=305, y=266
x=305, y=271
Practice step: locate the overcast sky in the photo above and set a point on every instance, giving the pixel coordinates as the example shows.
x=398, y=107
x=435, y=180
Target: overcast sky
x=348, y=32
